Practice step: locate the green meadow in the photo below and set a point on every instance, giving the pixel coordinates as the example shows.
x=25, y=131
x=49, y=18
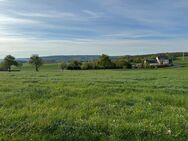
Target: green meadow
x=114, y=105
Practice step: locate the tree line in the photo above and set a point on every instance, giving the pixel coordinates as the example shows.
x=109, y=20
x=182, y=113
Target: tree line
x=104, y=62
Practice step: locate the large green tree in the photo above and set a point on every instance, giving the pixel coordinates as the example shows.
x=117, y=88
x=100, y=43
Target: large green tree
x=9, y=61
x=36, y=61
x=105, y=62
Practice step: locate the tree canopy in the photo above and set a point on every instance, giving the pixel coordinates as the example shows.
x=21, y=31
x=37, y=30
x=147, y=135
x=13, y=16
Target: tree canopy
x=105, y=62
x=9, y=61
x=36, y=61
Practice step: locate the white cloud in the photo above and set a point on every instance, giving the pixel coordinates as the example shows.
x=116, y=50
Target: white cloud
x=92, y=14
x=47, y=14
x=4, y=20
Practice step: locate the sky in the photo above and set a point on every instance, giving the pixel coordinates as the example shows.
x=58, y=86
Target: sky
x=92, y=27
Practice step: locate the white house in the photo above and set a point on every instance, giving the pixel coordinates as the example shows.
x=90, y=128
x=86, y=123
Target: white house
x=159, y=61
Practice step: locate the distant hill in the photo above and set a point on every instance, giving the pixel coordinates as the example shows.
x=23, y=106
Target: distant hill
x=66, y=58
x=175, y=54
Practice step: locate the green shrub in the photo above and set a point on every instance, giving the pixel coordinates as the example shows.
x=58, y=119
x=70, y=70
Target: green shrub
x=74, y=65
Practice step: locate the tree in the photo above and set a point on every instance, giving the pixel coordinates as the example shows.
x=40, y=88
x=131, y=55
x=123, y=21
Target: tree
x=74, y=65
x=63, y=66
x=122, y=64
x=10, y=61
x=105, y=62
x=87, y=66
x=36, y=61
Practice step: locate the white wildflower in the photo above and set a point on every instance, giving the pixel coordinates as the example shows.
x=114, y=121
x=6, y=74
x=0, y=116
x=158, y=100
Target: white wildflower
x=169, y=131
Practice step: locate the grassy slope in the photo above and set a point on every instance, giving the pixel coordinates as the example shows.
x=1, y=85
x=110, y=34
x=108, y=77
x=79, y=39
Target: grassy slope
x=83, y=105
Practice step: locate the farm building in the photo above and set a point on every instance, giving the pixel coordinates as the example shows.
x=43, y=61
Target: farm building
x=159, y=62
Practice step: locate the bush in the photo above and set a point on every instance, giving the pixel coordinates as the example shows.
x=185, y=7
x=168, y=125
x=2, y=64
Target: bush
x=122, y=64
x=86, y=65
x=74, y=65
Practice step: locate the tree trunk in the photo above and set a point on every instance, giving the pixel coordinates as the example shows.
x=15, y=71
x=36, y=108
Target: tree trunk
x=9, y=68
x=37, y=69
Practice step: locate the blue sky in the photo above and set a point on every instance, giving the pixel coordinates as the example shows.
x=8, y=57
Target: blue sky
x=78, y=27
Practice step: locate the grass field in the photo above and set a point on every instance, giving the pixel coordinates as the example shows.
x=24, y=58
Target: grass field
x=134, y=105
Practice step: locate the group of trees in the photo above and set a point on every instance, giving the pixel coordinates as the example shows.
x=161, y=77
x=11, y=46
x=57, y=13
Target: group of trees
x=10, y=61
x=104, y=62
